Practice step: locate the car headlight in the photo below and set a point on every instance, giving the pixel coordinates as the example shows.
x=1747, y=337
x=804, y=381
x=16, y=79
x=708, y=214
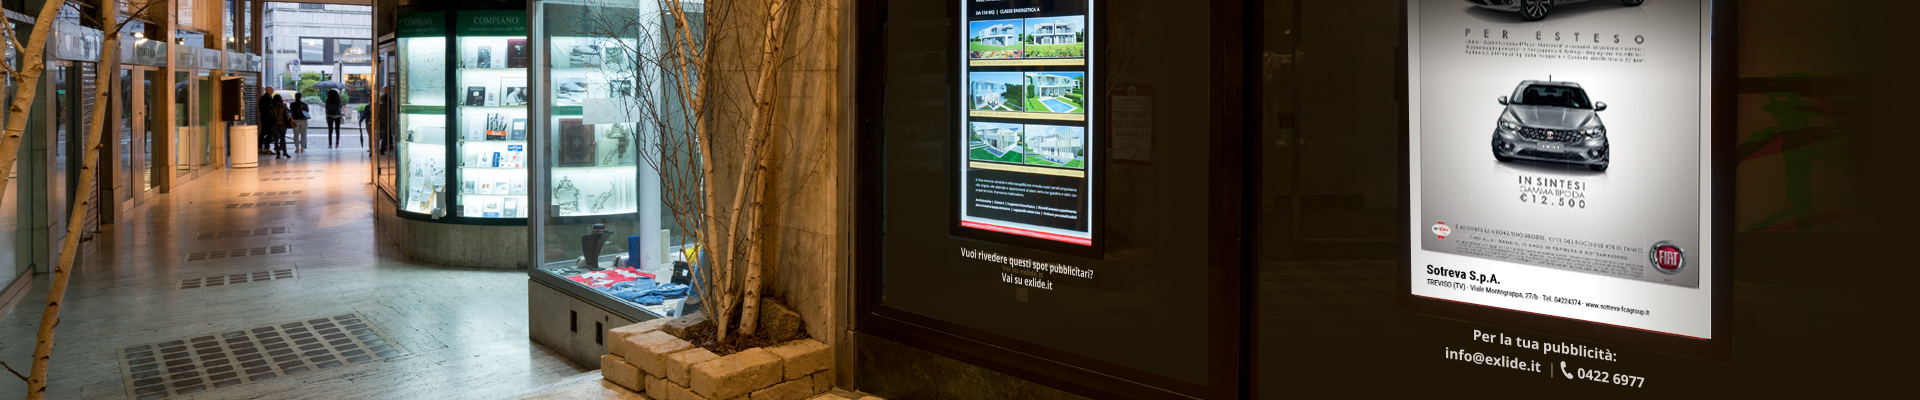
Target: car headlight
x=1509, y=125
x=1595, y=132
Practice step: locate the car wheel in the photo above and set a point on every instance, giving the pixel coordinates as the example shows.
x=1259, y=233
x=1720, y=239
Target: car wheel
x=1598, y=167
x=1631, y=3
x=1535, y=10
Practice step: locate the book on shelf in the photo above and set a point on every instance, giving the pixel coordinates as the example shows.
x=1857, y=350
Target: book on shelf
x=514, y=91
x=476, y=96
x=483, y=57
x=496, y=127
x=518, y=130
x=576, y=143
x=517, y=56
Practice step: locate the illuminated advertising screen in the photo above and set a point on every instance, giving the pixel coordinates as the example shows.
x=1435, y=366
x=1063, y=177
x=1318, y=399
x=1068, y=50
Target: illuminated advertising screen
x=1026, y=142
x=1561, y=163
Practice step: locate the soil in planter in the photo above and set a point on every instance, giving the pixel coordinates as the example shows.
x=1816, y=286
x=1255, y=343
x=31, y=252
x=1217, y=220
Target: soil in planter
x=703, y=336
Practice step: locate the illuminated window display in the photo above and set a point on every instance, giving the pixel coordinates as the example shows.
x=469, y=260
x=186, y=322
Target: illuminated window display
x=599, y=101
x=1533, y=197
x=422, y=121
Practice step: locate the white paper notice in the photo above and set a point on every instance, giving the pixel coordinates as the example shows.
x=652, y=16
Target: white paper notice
x=1133, y=127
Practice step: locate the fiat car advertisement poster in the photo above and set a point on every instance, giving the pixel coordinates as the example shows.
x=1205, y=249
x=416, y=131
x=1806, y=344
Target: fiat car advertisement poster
x=1026, y=147
x=1559, y=159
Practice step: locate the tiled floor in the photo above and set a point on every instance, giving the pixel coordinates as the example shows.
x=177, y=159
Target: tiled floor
x=464, y=330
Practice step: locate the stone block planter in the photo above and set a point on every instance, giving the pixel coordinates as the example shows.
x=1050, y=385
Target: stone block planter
x=653, y=357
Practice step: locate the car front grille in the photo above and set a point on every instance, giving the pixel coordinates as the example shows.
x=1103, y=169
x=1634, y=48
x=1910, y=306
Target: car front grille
x=1549, y=155
x=1551, y=135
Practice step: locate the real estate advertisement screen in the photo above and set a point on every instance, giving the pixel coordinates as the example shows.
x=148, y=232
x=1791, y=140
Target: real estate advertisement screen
x=1560, y=161
x=1026, y=137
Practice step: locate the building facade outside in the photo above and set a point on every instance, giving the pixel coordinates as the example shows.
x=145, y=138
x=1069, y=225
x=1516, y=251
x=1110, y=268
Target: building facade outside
x=308, y=43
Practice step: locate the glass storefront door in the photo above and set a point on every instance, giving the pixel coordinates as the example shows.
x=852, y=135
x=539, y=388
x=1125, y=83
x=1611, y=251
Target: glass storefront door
x=183, y=125
x=153, y=98
x=205, y=124
x=133, y=176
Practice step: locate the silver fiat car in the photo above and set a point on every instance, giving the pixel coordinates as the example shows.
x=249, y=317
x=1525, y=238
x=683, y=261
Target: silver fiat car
x=1551, y=121
x=1535, y=10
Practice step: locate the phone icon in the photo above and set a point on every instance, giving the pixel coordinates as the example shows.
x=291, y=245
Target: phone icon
x=1563, y=370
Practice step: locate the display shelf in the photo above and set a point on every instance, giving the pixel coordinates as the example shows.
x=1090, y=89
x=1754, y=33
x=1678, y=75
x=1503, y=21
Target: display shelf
x=492, y=90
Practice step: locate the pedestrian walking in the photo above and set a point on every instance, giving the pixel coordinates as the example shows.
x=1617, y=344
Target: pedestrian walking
x=366, y=114
x=266, y=121
x=300, y=114
x=278, y=113
x=334, y=117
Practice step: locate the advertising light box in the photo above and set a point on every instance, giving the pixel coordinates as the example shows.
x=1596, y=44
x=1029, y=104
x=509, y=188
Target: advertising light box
x=1563, y=169
x=1027, y=147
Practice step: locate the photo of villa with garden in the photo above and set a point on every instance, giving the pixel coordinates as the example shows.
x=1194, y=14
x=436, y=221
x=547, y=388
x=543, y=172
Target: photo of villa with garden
x=995, y=142
x=1056, y=37
x=994, y=39
x=1056, y=92
x=1056, y=146
x=995, y=91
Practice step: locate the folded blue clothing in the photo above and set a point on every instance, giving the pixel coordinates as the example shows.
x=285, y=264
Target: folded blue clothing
x=671, y=290
x=640, y=284
x=655, y=296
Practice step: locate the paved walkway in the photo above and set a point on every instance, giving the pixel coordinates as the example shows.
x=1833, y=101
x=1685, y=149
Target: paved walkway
x=460, y=333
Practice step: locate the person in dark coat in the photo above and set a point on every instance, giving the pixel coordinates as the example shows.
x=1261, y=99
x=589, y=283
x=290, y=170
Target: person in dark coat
x=300, y=113
x=335, y=115
x=267, y=127
x=281, y=120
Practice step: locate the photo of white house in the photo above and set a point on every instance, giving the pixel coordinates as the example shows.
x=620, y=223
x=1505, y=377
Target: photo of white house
x=990, y=141
x=1059, y=92
x=1056, y=146
x=994, y=91
x=1056, y=37
x=994, y=39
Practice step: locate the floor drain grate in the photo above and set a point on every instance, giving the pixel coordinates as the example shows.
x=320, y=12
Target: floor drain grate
x=234, y=279
x=297, y=171
x=287, y=179
x=283, y=192
x=259, y=205
x=187, y=366
x=242, y=233
x=219, y=254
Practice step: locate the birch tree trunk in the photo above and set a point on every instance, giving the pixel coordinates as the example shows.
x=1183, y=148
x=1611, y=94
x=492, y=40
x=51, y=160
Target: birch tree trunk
x=26, y=86
x=90, y=159
x=760, y=129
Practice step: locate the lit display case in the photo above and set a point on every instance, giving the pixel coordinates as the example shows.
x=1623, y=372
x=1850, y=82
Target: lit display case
x=463, y=116
x=422, y=145
x=602, y=238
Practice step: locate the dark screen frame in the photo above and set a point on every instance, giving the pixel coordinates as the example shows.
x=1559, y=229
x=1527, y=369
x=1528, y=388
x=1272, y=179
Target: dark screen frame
x=1234, y=124
x=1723, y=92
x=1096, y=166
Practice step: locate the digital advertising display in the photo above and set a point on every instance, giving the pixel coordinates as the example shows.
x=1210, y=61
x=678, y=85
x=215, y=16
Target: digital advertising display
x=1027, y=148
x=1561, y=163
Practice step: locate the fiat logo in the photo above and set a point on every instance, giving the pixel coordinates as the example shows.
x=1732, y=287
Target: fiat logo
x=1667, y=257
x=1440, y=229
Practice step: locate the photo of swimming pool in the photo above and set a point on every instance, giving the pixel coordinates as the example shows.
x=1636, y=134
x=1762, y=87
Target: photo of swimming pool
x=1056, y=105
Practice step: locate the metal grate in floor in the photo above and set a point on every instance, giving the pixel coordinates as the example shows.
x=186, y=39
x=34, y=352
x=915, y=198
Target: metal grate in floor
x=287, y=179
x=219, y=254
x=297, y=171
x=260, y=205
x=234, y=279
x=283, y=192
x=187, y=366
x=242, y=233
